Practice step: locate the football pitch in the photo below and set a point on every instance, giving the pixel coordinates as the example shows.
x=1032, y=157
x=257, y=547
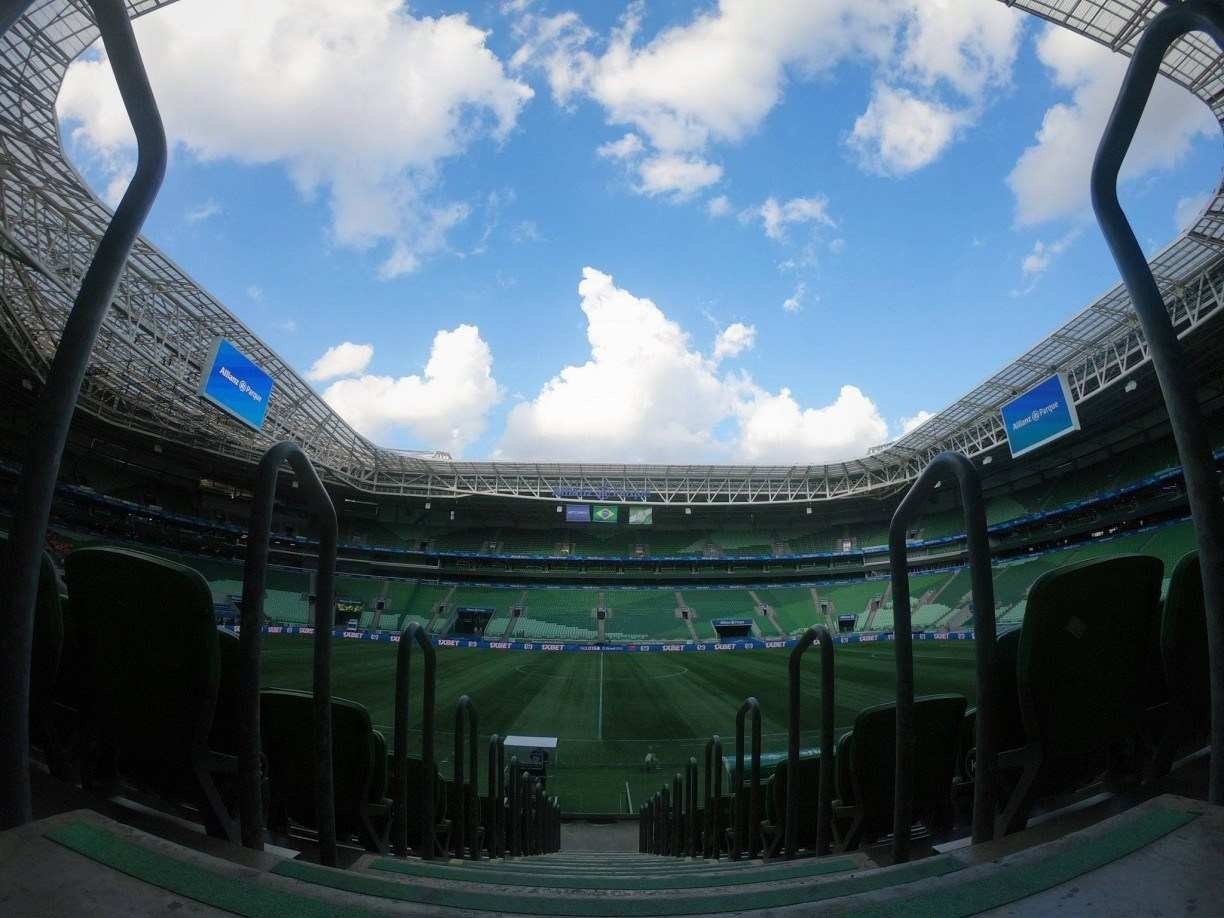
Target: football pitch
x=609, y=710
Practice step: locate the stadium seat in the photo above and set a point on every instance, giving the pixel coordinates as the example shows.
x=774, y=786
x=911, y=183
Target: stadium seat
x=866, y=766
x=773, y=826
x=149, y=677
x=359, y=766
x=1187, y=669
x=1073, y=712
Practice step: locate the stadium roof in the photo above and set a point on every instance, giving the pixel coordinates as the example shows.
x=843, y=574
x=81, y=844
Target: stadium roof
x=152, y=349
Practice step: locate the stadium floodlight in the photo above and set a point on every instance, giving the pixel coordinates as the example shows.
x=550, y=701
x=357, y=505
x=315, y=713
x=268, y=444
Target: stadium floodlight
x=1130, y=387
x=809, y=510
x=988, y=460
x=428, y=505
x=688, y=511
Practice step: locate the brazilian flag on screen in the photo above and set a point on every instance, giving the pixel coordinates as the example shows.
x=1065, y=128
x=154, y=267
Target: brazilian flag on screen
x=602, y=513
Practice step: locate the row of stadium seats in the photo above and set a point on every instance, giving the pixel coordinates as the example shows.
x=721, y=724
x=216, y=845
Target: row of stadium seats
x=1101, y=701
x=164, y=722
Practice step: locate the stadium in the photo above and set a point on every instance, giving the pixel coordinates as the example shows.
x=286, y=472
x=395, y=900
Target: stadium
x=256, y=662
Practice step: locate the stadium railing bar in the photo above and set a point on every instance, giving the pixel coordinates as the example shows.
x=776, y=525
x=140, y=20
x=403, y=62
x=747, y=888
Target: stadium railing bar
x=495, y=830
x=53, y=414
x=466, y=835
x=713, y=796
x=746, y=823
x=1168, y=359
x=828, y=709
x=982, y=590
x=413, y=633
x=250, y=757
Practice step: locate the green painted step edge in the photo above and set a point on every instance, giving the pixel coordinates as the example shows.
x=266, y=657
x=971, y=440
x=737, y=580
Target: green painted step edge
x=578, y=879
x=1013, y=882
x=189, y=880
x=616, y=906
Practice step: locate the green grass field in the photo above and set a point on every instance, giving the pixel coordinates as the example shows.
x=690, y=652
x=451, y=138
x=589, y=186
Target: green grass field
x=608, y=709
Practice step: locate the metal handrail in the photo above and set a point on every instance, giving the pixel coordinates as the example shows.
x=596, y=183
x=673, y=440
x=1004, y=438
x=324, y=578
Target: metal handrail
x=515, y=805
x=250, y=645
x=678, y=816
x=465, y=807
x=691, y=804
x=52, y=416
x=1168, y=359
x=713, y=795
x=413, y=633
x=747, y=819
x=497, y=751
x=982, y=588
x=828, y=711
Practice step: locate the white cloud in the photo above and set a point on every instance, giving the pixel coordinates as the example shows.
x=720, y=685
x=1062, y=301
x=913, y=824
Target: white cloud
x=255, y=293
x=837, y=246
x=345, y=359
x=1043, y=254
x=910, y=424
x=361, y=102
x=715, y=78
x=1187, y=211
x=775, y=428
x=776, y=216
x=794, y=302
x=678, y=176
x=525, y=231
x=900, y=133
x=446, y=407
x=1051, y=178
x=205, y=211
x=719, y=206
x=627, y=147
x=734, y=340
x=645, y=394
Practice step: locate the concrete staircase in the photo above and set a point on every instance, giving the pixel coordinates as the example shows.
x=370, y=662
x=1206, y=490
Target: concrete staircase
x=1153, y=859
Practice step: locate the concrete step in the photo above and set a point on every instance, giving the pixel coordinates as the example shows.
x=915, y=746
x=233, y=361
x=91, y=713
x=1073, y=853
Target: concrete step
x=1158, y=857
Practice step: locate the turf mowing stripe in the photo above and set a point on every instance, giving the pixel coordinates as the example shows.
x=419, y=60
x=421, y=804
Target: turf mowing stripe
x=616, y=906
x=1011, y=883
x=577, y=879
x=191, y=881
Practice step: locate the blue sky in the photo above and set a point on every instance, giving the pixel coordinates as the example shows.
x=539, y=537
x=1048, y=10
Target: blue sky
x=430, y=183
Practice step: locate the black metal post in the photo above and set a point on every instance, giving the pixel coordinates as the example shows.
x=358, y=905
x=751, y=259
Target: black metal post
x=982, y=587
x=828, y=712
x=515, y=805
x=716, y=757
x=1176, y=382
x=250, y=639
x=413, y=633
x=677, y=833
x=691, y=797
x=465, y=815
x=747, y=818
x=492, y=830
x=52, y=416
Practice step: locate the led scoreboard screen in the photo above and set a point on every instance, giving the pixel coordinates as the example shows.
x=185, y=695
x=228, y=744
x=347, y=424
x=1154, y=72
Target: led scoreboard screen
x=1042, y=414
x=235, y=384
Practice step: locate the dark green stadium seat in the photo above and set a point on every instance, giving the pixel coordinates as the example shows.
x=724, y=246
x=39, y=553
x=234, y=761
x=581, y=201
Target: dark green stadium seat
x=1010, y=726
x=773, y=826
x=359, y=770
x=149, y=673
x=1187, y=669
x=1080, y=674
x=863, y=810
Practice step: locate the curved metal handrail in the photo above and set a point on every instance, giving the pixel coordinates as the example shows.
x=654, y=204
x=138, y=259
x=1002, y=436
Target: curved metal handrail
x=1168, y=359
x=713, y=795
x=747, y=819
x=690, y=798
x=465, y=808
x=982, y=587
x=52, y=416
x=828, y=713
x=250, y=644
x=413, y=633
